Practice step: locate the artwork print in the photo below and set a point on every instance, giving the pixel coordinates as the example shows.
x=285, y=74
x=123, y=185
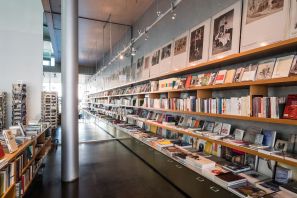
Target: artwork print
x=139, y=63
x=196, y=45
x=180, y=46
x=156, y=57
x=223, y=29
x=146, y=62
x=166, y=51
x=257, y=9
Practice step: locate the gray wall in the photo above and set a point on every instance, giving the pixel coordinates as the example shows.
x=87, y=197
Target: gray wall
x=21, y=49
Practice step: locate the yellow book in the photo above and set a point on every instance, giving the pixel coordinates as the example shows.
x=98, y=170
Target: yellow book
x=153, y=129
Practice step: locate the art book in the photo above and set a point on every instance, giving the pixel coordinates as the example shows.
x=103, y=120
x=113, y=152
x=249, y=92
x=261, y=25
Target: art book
x=238, y=74
x=220, y=78
x=10, y=140
x=249, y=72
x=265, y=69
x=230, y=76
x=290, y=111
x=293, y=70
x=282, y=66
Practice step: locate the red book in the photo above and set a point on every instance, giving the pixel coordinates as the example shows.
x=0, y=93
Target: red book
x=2, y=153
x=188, y=82
x=290, y=111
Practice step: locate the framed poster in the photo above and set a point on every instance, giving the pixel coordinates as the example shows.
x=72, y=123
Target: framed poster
x=264, y=22
x=155, y=63
x=166, y=58
x=179, y=58
x=146, y=67
x=293, y=19
x=225, y=32
x=199, y=43
x=139, y=68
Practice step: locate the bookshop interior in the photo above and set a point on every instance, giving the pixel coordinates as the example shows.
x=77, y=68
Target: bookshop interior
x=148, y=98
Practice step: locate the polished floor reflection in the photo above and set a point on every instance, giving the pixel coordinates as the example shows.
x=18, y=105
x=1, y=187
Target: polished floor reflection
x=107, y=169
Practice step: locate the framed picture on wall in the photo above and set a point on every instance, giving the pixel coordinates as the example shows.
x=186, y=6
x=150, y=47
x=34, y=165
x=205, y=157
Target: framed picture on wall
x=225, y=32
x=166, y=57
x=146, y=67
x=155, y=60
x=293, y=19
x=179, y=58
x=264, y=22
x=139, y=68
x=199, y=43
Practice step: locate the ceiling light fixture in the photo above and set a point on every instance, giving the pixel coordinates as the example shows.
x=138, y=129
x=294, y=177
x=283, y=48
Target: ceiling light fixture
x=133, y=51
x=173, y=14
x=121, y=57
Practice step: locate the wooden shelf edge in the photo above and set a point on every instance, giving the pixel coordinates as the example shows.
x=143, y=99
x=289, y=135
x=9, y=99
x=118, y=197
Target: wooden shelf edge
x=278, y=46
x=11, y=187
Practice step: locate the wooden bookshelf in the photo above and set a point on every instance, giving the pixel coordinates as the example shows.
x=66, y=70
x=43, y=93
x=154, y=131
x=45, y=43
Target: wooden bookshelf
x=10, y=192
x=268, y=50
x=220, y=142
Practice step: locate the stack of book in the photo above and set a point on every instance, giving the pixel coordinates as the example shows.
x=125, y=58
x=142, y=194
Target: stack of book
x=3, y=109
x=19, y=112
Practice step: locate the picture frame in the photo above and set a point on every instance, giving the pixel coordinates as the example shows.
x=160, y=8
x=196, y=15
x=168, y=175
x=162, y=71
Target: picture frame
x=293, y=19
x=198, y=47
x=257, y=16
x=155, y=63
x=166, y=58
x=180, y=51
x=146, y=67
x=225, y=32
x=139, y=68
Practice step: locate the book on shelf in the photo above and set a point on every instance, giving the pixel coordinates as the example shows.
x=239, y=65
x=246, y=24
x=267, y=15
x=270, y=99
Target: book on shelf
x=283, y=66
x=249, y=72
x=238, y=134
x=282, y=175
x=220, y=77
x=229, y=179
x=290, y=111
x=238, y=74
x=253, y=176
x=236, y=168
x=251, y=133
x=230, y=76
x=247, y=190
x=265, y=69
x=10, y=141
x=293, y=70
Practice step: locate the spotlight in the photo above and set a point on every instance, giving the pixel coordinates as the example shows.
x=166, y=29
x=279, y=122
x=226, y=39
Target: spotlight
x=121, y=57
x=133, y=51
x=146, y=37
x=173, y=16
x=158, y=13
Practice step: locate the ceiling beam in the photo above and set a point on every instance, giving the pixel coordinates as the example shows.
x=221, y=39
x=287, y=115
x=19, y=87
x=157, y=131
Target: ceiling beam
x=92, y=19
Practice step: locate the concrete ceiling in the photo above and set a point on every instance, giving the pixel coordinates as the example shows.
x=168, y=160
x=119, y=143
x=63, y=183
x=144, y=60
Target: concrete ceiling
x=93, y=15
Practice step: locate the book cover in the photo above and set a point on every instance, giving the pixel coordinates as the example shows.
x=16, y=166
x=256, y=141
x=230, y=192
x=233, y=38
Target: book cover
x=293, y=70
x=238, y=134
x=188, y=82
x=238, y=74
x=217, y=127
x=226, y=128
x=249, y=72
x=269, y=138
x=250, y=134
x=283, y=175
x=281, y=145
x=10, y=140
x=247, y=190
x=265, y=69
x=230, y=76
x=220, y=78
x=254, y=176
x=283, y=66
x=230, y=178
x=290, y=111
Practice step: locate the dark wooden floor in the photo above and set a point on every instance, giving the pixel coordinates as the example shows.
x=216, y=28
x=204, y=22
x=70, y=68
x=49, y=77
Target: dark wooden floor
x=107, y=169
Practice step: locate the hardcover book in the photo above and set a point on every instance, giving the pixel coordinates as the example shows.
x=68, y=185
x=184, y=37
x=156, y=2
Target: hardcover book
x=269, y=138
x=283, y=175
x=220, y=78
x=226, y=128
x=293, y=70
x=247, y=190
x=249, y=72
x=229, y=179
x=290, y=111
x=217, y=127
x=230, y=76
x=238, y=74
x=238, y=134
x=250, y=134
x=265, y=69
x=282, y=66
